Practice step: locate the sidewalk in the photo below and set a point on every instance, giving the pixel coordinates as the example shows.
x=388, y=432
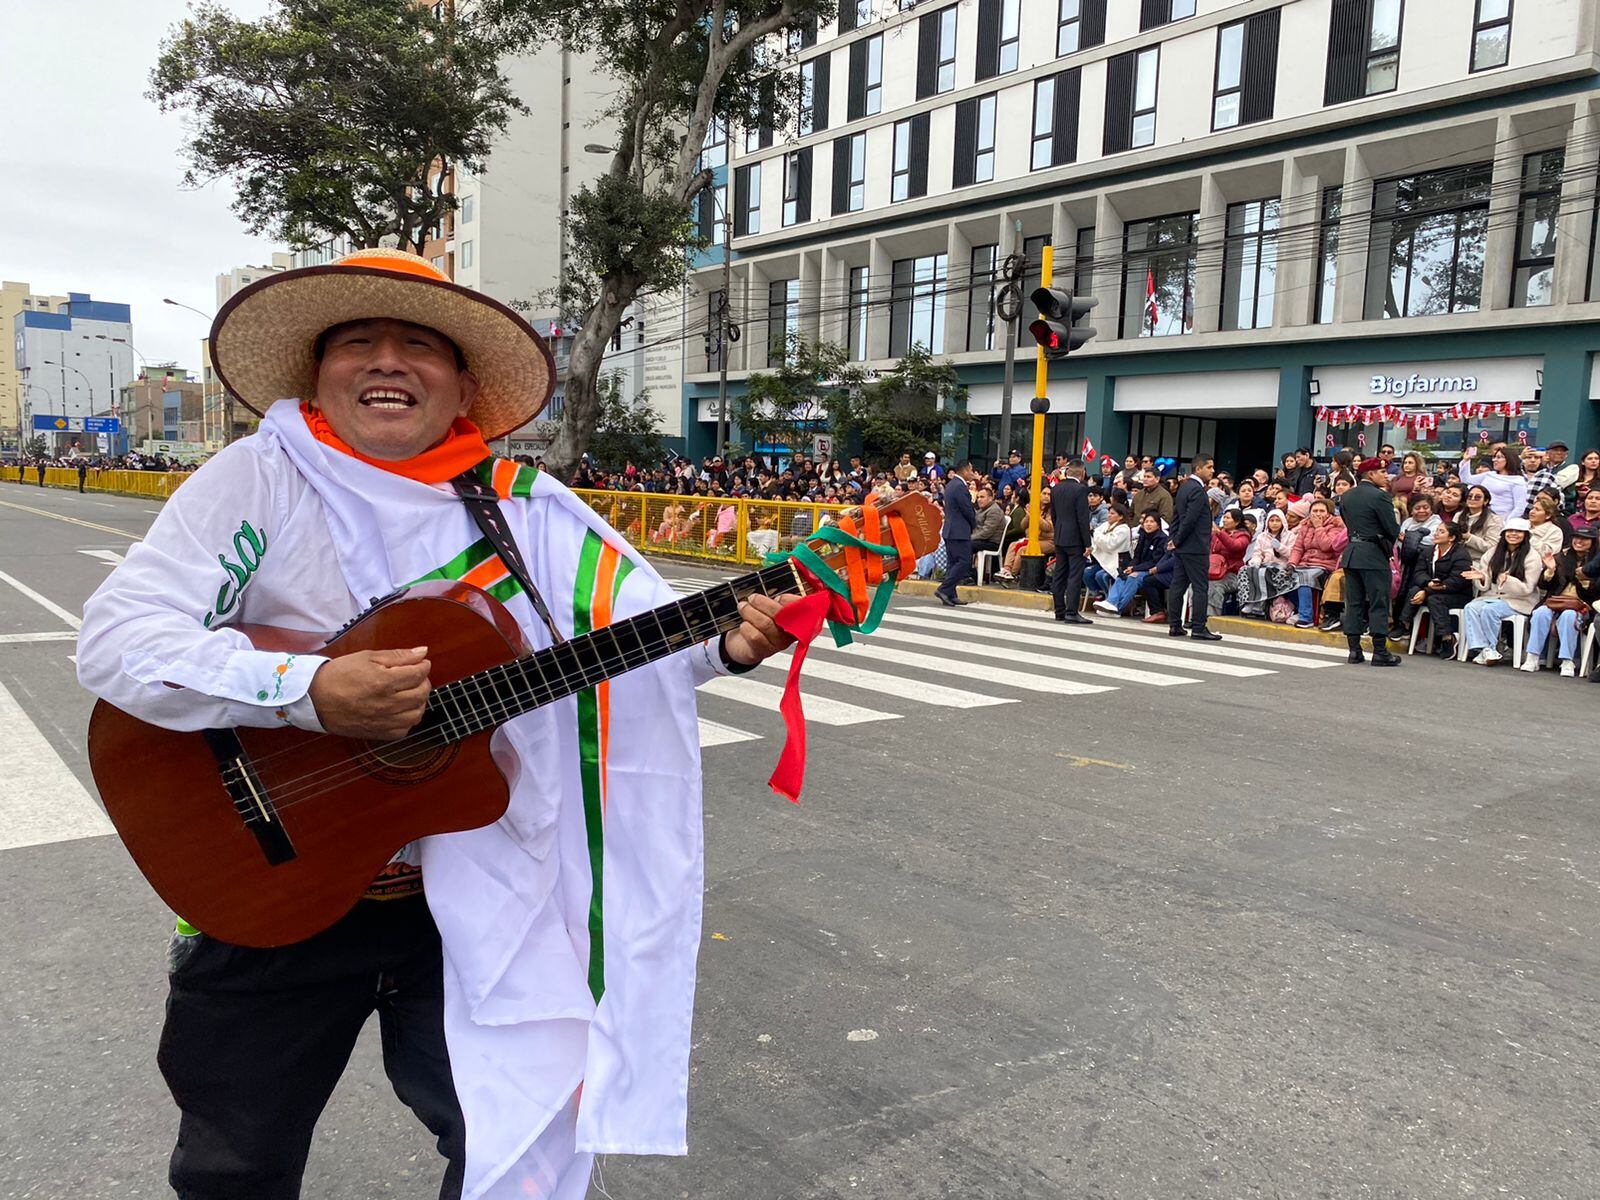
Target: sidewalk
x=1238, y=626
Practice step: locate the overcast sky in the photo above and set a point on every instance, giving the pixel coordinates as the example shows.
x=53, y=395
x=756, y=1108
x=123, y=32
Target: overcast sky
x=95, y=203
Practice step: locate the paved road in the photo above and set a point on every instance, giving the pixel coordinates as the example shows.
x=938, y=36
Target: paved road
x=1063, y=914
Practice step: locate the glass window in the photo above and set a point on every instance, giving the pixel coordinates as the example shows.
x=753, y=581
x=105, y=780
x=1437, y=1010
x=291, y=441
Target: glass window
x=858, y=172
x=1250, y=265
x=980, y=298
x=791, y=188
x=875, y=75
x=1182, y=8
x=1230, y=75
x=858, y=313
x=752, y=223
x=863, y=12
x=1144, y=97
x=1327, y=254
x=715, y=151
x=1083, y=264
x=1158, y=276
x=466, y=254
x=916, y=308
x=1383, y=47
x=805, y=117
x=983, y=161
x=1069, y=26
x=469, y=209
x=1533, y=283
x=900, y=177
x=1044, y=122
x=719, y=213
x=947, y=50
x=1010, y=34
x=783, y=319
x=1427, y=246
x=1491, y=34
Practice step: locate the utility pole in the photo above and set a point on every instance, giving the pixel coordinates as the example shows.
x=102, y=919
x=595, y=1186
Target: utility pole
x=1032, y=572
x=1014, y=287
x=723, y=321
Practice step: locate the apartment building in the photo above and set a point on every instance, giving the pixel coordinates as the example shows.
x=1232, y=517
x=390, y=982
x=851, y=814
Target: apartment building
x=74, y=357
x=1306, y=222
x=16, y=299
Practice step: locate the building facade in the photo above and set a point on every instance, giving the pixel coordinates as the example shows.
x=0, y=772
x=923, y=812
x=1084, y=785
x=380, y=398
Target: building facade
x=74, y=361
x=16, y=299
x=1306, y=222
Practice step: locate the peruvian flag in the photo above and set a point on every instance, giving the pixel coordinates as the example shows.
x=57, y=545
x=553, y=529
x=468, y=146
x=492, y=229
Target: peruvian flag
x=1088, y=450
x=1150, y=310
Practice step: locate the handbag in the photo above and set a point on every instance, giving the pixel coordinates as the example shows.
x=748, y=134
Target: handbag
x=1566, y=601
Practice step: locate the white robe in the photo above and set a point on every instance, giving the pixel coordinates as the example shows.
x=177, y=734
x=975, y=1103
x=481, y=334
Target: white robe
x=314, y=534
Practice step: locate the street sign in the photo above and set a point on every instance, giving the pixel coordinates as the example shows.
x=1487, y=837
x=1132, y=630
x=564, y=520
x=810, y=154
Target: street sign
x=50, y=423
x=821, y=446
x=102, y=425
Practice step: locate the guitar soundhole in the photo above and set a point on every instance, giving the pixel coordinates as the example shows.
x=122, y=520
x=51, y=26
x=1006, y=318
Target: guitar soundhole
x=400, y=762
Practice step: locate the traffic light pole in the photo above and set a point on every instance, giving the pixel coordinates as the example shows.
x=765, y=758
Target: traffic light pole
x=1011, y=352
x=1031, y=574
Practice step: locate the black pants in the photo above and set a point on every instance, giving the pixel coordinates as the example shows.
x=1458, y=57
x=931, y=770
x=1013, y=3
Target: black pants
x=1366, y=601
x=1066, y=583
x=1189, y=574
x=958, y=565
x=255, y=1041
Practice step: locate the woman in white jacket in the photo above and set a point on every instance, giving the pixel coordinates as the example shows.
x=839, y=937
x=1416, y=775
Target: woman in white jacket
x=1508, y=490
x=1109, y=549
x=1507, y=582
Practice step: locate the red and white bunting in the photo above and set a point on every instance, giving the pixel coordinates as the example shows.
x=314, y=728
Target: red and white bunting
x=1421, y=421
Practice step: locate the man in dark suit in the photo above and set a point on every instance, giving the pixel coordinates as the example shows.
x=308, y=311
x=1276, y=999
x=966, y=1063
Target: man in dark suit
x=1191, y=549
x=1368, y=514
x=959, y=519
x=1069, y=511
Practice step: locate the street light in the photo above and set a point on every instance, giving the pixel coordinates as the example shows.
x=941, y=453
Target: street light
x=190, y=307
x=86, y=382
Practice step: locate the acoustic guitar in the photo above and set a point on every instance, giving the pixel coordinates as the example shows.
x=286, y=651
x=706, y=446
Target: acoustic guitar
x=263, y=837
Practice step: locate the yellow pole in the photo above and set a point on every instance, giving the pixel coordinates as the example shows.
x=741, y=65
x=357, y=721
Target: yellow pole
x=1041, y=379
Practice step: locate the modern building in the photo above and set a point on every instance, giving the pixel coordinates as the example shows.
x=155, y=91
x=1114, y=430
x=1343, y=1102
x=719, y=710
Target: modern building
x=1306, y=222
x=16, y=299
x=74, y=360
x=164, y=405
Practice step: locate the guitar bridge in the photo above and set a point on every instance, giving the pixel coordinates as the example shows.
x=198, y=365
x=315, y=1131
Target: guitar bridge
x=249, y=796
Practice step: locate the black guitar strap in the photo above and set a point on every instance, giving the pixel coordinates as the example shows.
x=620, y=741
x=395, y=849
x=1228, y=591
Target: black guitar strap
x=484, y=506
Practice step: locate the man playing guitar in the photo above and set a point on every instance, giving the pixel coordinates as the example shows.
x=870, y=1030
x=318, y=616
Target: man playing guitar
x=534, y=979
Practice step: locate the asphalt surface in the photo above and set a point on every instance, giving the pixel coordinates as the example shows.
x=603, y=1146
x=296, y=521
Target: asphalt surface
x=1297, y=930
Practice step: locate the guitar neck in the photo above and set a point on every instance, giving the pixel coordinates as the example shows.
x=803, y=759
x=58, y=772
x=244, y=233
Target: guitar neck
x=490, y=698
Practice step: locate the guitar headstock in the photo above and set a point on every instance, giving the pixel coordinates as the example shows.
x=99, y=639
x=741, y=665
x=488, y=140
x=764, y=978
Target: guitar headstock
x=923, y=521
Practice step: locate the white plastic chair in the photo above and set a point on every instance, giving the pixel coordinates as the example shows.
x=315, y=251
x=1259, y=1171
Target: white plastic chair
x=984, y=559
x=1586, y=649
x=1519, y=636
x=1416, y=626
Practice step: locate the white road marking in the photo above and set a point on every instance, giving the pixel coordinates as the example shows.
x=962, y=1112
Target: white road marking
x=821, y=709
x=897, y=685
x=50, y=606
x=712, y=734
x=154, y=512
x=42, y=801
x=60, y=635
x=995, y=675
x=110, y=557
x=1049, y=662
x=1116, y=652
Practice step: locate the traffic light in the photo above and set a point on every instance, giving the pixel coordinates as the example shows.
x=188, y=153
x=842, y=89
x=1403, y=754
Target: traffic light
x=1058, y=330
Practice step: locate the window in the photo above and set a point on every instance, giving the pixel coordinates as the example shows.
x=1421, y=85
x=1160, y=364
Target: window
x=1491, y=34
x=1247, y=71
x=916, y=307
x=1327, y=254
x=747, y=200
x=857, y=333
x=1153, y=13
x=999, y=37
x=866, y=79
x=1250, y=265
x=800, y=37
x=1131, y=100
x=980, y=298
x=1055, y=119
x=1144, y=97
x=936, y=52
x=875, y=75
x=1033, y=263
x=1535, y=272
x=1427, y=246
x=849, y=173
x=1080, y=25
x=713, y=214
x=854, y=15
x=469, y=209
x=465, y=256
x=783, y=319
x=715, y=151
x=1158, y=276
x=1363, y=49
x=909, y=170
x=797, y=187
x=974, y=154
x=813, y=107
x=1083, y=264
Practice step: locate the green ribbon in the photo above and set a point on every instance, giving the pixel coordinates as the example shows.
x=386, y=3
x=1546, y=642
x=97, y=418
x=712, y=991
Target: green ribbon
x=831, y=579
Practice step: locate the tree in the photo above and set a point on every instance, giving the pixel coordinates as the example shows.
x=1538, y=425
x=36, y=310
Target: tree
x=627, y=431
x=37, y=447
x=678, y=65
x=917, y=406
x=802, y=397
x=336, y=116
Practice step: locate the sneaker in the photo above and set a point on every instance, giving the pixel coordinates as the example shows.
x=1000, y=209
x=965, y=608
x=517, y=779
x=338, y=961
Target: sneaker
x=1569, y=669
x=1292, y=622
x=1329, y=624
x=1530, y=664
x=1489, y=656
x=1106, y=607
x=1478, y=659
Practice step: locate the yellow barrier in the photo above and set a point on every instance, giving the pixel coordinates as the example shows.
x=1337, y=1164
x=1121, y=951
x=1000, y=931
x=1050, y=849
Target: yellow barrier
x=155, y=485
x=715, y=529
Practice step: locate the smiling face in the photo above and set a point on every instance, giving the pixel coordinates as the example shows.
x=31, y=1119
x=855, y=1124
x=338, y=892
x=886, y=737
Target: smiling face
x=391, y=389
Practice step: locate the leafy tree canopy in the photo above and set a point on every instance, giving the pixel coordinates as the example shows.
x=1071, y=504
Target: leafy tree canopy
x=627, y=431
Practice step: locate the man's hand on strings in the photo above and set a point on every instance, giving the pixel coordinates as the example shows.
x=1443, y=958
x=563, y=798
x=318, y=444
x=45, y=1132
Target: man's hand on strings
x=374, y=694
x=758, y=636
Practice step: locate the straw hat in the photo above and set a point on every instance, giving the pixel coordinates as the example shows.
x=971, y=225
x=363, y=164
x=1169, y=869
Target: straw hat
x=262, y=339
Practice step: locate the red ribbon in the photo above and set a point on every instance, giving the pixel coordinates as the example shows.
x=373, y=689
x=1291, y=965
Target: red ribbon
x=801, y=620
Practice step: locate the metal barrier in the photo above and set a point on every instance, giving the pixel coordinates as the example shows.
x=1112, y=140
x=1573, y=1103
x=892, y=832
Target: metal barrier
x=715, y=529
x=156, y=485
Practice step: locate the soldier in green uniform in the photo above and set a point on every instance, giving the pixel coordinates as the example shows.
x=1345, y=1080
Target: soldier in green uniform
x=1368, y=513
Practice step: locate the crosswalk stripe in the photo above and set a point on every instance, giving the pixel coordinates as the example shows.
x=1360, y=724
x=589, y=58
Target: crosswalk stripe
x=1116, y=652
x=64, y=635
x=1239, y=649
x=713, y=734
x=44, y=602
x=895, y=685
x=996, y=675
x=42, y=801
x=1050, y=662
x=821, y=709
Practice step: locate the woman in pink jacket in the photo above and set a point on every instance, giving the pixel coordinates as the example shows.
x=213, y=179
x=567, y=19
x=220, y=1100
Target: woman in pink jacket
x=1318, y=542
x=1229, y=541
